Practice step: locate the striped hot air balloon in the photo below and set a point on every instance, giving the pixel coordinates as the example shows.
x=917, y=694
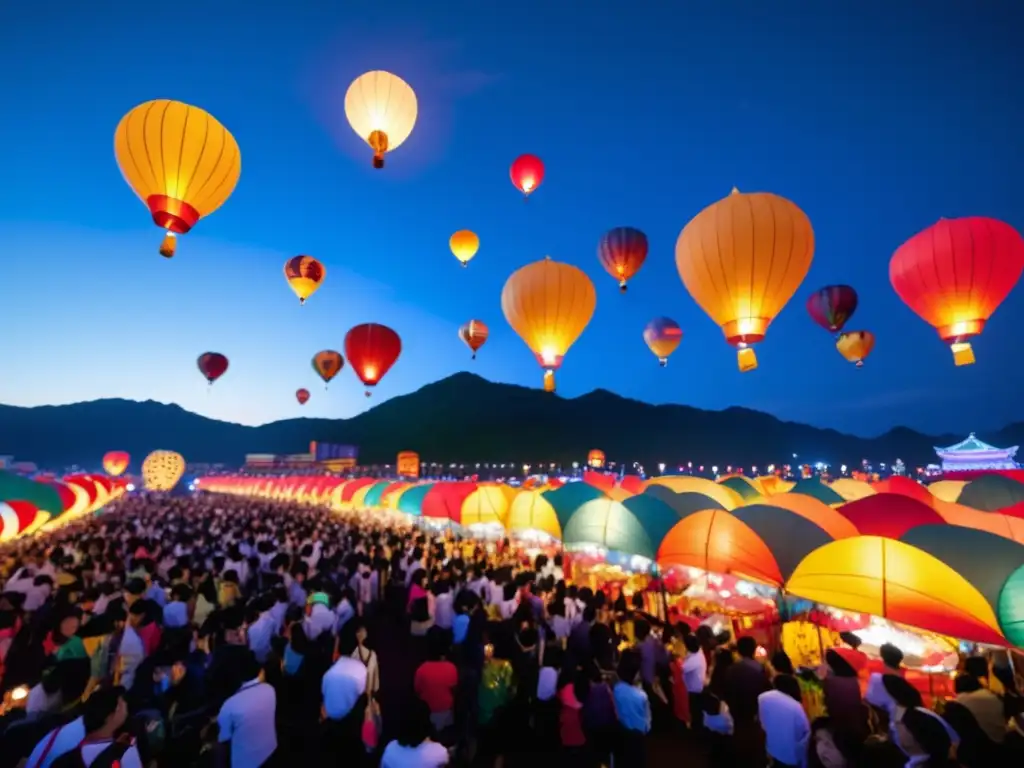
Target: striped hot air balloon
x=474, y=334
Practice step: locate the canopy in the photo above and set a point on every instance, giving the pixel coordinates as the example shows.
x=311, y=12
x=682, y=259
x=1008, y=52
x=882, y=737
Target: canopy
x=850, y=489
x=724, y=495
x=816, y=489
x=410, y=501
x=486, y=505
x=744, y=486
x=989, y=493
x=818, y=512
x=393, y=493
x=608, y=524
x=531, y=511
x=570, y=497
x=891, y=579
x=999, y=523
x=631, y=484
x=683, y=503
x=889, y=514
x=374, y=496
x=1011, y=608
x=600, y=480
x=946, y=490
x=905, y=487
x=88, y=487
x=351, y=488
x=656, y=517
x=444, y=500
x=17, y=488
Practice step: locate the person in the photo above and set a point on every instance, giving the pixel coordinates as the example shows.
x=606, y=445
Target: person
x=497, y=688
x=90, y=740
x=978, y=717
x=786, y=727
x=343, y=687
x=412, y=746
x=368, y=657
x=570, y=717
x=915, y=738
x=744, y=681
x=848, y=722
x=634, y=712
x=694, y=672
x=877, y=693
x=247, y=720
x=436, y=680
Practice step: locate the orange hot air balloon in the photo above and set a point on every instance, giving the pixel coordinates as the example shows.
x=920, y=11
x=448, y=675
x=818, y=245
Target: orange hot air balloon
x=742, y=259
x=304, y=275
x=115, y=462
x=955, y=274
x=595, y=459
x=549, y=304
x=180, y=161
x=328, y=364
x=464, y=245
x=855, y=346
x=302, y=395
x=474, y=334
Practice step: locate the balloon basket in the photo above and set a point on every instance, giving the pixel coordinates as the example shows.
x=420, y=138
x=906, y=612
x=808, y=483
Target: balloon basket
x=963, y=354
x=746, y=360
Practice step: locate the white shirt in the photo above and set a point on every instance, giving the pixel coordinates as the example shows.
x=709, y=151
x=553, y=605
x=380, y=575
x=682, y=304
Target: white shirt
x=547, y=683
x=131, y=653
x=40, y=702
x=342, y=686
x=130, y=758
x=877, y=696
x=695, y=670
x=247, y=720
x=321, y=619
x=344, y=611
x=444, y=610
x=786, y=727
x=720, y=723
x=368, y=658
x=68, y=737
x=428, y=754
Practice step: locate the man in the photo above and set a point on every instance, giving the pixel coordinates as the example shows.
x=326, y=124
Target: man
x=786, y=727
x=247, y=721
x=344, y=693
x=876, y=694
x=695, y=670
x=91, y=735
x=634, y=712
x=230, y=661
x=261, y=632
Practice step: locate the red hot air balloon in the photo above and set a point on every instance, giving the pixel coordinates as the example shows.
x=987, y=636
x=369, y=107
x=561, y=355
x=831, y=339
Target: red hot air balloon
x=955, y=274
x=527, y=173
x=474, y=334
x=371, y=350
x=302, y=395
x=212, y=365
x=622, y=251
x=115, y=462
x=831, y=307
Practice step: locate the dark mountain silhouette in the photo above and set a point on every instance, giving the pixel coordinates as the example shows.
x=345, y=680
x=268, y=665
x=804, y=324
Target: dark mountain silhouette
x=464, y=418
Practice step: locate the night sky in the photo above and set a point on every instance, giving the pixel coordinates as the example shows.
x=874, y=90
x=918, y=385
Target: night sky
x=877, y=120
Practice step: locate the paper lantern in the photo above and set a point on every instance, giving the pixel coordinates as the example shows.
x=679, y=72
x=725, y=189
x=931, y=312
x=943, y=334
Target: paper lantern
x=162, y=470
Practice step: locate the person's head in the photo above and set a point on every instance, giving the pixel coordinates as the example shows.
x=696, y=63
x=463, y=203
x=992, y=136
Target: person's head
x=837, y=665
x=629, y=666
x=137, y=613
x=590, y=614
x=361, y=633
x=903, y=693
x=134, y=589
x=69, y=622
x=641, y=629
x=691, y=642
x=746, y=647
x=419, y=578
x=930, y=734
x=788, y=685
x=105, y=711
x=966, y=683
x=232, y=622
x=781, y=663
x=413, y=724
x=977, y=667
x=850, y=639
x=892, y=656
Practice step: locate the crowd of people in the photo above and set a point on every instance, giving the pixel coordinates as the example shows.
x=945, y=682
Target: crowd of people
x=217, y=630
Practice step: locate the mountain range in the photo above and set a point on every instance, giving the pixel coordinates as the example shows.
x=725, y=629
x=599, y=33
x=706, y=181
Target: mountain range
x=464, y=418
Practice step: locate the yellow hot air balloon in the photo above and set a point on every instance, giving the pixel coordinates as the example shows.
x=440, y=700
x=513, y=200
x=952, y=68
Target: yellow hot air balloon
x=549, y=304
x=162, y=470
x=180, y=161
x=381, y=108
x=304, y=275
x=742, y=259
x=855, y=346
x=464, y=245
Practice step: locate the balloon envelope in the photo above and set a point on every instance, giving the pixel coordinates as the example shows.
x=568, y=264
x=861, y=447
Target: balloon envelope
x=328, y=364
x=115, y=462
x=304, y=275
x=622, y=251
x=371, y=350
x=212, y=365
x=464, y=245
x=663, y=335
x=302, y=395
x=382, y=109
x=527, y=173
x=474, y=334
x=832, y=306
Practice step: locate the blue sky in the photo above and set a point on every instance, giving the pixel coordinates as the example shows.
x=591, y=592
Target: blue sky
x=876, y=121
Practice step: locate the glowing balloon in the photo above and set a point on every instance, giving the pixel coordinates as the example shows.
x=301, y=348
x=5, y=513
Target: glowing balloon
x=464, y=245
x=162, y=470
x=663, y=335
x=304, y=275
x=371, y=350
x=742, y=259
x=180, y=161
x=595, y=458
x=855, y=346
x=622, y=251
x=474, y=334
x=955, y=274
x=212, y=365
x=115, y=462
x=549, y=304
x=302, y=395
x=832, y=307
x=381, y=108
x=527, y=173
x=328, y=364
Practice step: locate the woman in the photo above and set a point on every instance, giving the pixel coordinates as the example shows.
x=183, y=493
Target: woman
x=369, y=659
x=413, y=747
x=497, y=689
x=846, y=711
x=420, y=605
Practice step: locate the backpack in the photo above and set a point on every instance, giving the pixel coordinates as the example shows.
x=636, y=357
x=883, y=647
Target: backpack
x=108, y=758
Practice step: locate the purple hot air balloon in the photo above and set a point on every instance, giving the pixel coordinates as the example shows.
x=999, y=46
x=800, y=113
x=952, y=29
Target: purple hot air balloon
x=832, y=307
x=663, y=335
x=622, y=251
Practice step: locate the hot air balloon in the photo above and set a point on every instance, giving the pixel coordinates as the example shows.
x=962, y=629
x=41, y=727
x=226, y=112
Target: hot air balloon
x=527, y=173
x=371, y=350
x=831, y=307
x=474, y=334
x=328, y=364
x=180, y=161
x=855, y=346
x=115, y=462
x=381, y=108
x=162, y=470
x=595, y=458
x=464, y=245
x=304, y=275
x=622, y=251
x=302, y=395
x=663, y=335
x=742, y=259
x=548, y=304
x=955, y=274
x=212, y=365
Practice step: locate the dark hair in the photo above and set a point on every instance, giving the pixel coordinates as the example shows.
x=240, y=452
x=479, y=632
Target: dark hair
x=976, y=666
x=780, y=662
x=413, y=724
x=929, y=732
x=691, y=642
x=100, y=706
x=788, y=685
x=135, y=586
x=840, y=667
x=892, y=656
x=850, y=639
x=902, y=692
x=629, y=666
x=438, y=643
x=746, y=647
x=966, y=684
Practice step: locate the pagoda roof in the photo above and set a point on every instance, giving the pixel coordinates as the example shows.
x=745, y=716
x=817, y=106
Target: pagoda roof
x=969, y=445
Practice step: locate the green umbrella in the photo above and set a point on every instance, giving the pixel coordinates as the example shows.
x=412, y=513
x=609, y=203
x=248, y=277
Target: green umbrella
x=17, y=488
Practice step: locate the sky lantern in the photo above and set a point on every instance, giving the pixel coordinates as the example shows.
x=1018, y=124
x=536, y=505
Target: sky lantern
x=371, y=350
x=304, y=275
x=955, y=274
x=622, y=251
x=474, y=334
x=212, y=365
x=180, y=161
x=742, y=259
x=595, y=458
x=302, y=395
x=662, y=336
x=161, y=470
x=328, y=364
x=115, y=462
x=831, y=307
x=855, y=346
x=464, y=245
x=549, y=304
x=381, y=108
x=527, y=173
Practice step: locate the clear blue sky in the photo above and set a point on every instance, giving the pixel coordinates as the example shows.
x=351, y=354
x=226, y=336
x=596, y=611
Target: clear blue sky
x=877, y=120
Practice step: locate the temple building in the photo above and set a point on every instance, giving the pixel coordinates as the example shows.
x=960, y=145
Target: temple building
x=972, y=454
